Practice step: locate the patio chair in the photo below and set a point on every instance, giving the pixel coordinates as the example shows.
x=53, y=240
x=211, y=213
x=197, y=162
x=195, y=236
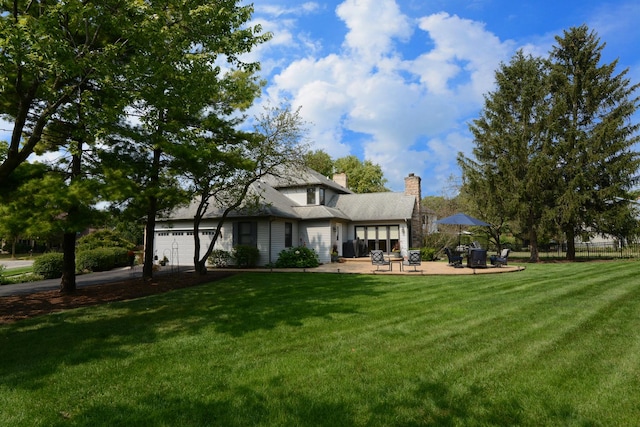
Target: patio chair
x=500, y=260
x=455, y=260
x=414, y=259
x=377, y=259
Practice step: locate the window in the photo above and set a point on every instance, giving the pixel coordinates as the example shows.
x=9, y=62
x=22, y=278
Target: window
x=311, y=196
x=245, y=233
x=288, y=234
x=322, y=196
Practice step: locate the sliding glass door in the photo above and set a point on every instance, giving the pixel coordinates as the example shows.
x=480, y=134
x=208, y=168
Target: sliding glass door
x=382, y=237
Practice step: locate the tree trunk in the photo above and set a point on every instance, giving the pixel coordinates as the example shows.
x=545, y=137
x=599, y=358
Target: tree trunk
x=147, y=268
x=68, y=280
x=152, y=207
x=571, y=244
x=533, y=242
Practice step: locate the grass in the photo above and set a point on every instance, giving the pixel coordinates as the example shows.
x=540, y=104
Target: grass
x=557, y=344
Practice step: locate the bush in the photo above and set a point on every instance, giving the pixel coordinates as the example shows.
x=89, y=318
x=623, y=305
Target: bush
x=245, y=256
x=219, y=258
x=101, y=259
x=103, y=239
x=300, y=257
x=428, y=254
x=48, y=265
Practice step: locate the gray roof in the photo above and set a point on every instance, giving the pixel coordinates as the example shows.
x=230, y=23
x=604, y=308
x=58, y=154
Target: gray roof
x=348, y=206
x=304, y=177
x=273, y=203
x=319, y=212
x=374, y=206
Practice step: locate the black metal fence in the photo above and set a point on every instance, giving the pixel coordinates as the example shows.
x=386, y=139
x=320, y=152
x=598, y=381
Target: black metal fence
x=602, y=250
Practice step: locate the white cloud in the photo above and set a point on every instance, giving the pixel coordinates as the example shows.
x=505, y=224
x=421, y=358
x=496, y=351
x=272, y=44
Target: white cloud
x=372, y=25
x=277, y=11
x=408, y=111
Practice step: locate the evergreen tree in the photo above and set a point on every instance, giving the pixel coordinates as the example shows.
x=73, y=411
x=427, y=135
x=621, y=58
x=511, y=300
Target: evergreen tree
x=509, y=178
x=593, y=138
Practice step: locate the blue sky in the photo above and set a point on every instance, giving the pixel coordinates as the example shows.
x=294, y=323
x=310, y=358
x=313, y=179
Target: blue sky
x=396, y=82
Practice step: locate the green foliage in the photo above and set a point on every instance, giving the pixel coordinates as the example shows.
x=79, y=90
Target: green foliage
x=48, y=265
x=362, y=176
x=103, y=239
x=319, y=161
x=298, y=257
x=429, y=254
x=554, y=146
x=101, y=259
x=220, y=258
x=245, y=256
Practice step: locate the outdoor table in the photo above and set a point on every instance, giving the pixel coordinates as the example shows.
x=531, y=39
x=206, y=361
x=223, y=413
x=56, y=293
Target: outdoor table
x=395, y=260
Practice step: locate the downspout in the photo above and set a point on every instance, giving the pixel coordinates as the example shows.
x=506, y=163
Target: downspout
x=407, y=223
x=271, y=219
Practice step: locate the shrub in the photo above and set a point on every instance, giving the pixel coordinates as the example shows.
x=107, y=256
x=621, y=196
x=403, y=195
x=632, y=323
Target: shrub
x=245, y=256
x=428, y=254
x=219, y=258
x=101, y=259
x=48, y=265
x=300, y=257
x=103, y=239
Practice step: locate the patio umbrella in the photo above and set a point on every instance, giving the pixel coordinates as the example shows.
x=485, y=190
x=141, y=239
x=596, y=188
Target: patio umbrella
x=461, y=219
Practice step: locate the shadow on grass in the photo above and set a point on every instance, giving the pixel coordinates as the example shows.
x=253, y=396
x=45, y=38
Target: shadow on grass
x=243, y=407
x=249, y=302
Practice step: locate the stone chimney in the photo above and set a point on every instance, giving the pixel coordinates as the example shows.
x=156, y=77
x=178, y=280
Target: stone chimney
x=412, y=187
x=341, y=179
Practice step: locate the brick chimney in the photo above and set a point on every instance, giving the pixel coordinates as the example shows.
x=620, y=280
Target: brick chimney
x=412, y=187
x=341, y=179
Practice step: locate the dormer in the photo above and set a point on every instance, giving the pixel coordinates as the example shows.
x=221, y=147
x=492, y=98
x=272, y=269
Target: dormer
x=316, y=195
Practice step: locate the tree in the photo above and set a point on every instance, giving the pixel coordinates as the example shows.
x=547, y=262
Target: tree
x=510, y=177
x=48, y=51
x=180, y=88
x=320, y=161
x=224, y=167
x=14, y=207
x=593, y=136
x=363, y=177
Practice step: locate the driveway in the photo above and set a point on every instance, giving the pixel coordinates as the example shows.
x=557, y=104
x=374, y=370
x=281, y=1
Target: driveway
x=115, y=275
x=16, y=263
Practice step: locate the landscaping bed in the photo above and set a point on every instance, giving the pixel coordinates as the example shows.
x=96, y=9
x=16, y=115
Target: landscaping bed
x=17, y=307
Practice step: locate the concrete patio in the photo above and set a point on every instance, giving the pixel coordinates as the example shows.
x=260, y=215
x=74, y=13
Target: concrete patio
x=427, y=268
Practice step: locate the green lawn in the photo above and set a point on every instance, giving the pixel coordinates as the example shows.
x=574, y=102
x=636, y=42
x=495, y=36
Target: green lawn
x=556, y=344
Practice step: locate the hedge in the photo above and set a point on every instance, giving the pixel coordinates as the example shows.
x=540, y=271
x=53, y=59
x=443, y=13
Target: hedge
x=101, y=259
x=48, y=265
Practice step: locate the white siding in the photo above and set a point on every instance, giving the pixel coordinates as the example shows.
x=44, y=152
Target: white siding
x=297, y=194
x=317, y=236
x=176, y=242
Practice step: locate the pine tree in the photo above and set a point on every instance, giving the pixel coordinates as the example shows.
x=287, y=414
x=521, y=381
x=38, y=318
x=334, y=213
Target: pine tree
x=509, y=176
x=593, y=137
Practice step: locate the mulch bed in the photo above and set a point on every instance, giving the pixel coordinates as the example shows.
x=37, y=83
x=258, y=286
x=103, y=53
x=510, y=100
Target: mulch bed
x=18, y=307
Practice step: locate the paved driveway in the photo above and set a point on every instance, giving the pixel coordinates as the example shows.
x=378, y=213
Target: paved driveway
x=16, y=263
x=83, y=280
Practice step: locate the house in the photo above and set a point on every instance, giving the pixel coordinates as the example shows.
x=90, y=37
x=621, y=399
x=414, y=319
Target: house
x=307, y=209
